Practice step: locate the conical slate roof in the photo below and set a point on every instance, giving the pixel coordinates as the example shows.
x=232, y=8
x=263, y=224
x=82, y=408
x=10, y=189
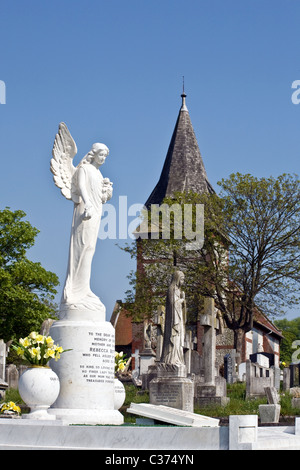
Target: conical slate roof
x=183, y=169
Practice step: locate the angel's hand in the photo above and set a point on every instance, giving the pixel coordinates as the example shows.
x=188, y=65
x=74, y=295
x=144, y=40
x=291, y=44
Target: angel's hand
x=88, y=212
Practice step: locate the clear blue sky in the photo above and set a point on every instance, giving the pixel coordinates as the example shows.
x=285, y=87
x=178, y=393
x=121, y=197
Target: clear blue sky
x=112, y=70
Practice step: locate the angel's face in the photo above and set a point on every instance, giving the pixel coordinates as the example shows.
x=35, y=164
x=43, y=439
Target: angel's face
x=100, y=156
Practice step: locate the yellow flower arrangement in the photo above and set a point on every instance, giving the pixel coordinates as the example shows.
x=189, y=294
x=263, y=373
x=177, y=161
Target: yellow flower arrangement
x=37, y=349
x=10, y=408
x=120, y=361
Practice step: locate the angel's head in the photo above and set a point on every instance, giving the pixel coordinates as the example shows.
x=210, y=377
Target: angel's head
x=97, y=154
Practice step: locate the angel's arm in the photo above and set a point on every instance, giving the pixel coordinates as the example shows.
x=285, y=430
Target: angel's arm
x=84, y=194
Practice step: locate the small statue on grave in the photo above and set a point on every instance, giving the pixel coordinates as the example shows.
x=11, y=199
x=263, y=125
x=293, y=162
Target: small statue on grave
x=147, y=335
x=175, y=319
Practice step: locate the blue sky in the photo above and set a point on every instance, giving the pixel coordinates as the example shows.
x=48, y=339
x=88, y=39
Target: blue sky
x=112, y=71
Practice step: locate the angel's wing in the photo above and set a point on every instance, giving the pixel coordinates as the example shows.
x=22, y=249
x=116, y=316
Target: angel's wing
x=63, y=152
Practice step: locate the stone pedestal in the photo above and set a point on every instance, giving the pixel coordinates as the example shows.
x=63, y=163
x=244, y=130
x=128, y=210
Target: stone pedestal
x=86, y=373
x=269, y=413
x=207, y=394
x=147, y=359
x=172, y=388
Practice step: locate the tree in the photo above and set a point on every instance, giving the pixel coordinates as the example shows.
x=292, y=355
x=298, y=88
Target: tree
x=27, y=290
x=291, y=332
x=262, y=219
x=249, y=262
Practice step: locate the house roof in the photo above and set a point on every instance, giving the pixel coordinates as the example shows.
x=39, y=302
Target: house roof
x=261, y=319
x=183, y=168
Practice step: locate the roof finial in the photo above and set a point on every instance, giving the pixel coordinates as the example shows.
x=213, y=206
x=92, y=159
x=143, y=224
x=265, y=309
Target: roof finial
x=183, y=96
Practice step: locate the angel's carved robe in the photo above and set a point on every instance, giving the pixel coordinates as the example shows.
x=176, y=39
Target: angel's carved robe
x=77, y=293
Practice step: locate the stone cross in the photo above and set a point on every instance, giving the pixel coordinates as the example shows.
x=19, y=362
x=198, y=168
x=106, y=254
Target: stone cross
x=210, y=323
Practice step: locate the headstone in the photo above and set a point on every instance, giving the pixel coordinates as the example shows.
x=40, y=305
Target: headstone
x=286, y=380
x=12, y=376
x=86, y=372
x=294, y=375
x=272, y=395
x=170, y=415
x=277, y=374
x=242, y=372
x=257, y=378
x=2, y=359
x=270, y=413
x=171, y=387
x=136, y=379
x=228, y=368
x=213, y=388
x=3, y=388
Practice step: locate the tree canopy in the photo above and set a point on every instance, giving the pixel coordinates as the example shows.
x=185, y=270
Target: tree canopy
x=27, y=290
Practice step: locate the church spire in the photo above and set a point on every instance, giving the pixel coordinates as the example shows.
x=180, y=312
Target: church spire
x=183, y=169
x=183, y=96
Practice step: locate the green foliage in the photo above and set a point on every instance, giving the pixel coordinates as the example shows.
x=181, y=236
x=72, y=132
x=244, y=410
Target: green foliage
x=27, y=290
x=291, y=332
x=133, y=395
x=12, y=394
x=238, y=404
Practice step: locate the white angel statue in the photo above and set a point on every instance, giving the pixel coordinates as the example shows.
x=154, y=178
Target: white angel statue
x=87, y=188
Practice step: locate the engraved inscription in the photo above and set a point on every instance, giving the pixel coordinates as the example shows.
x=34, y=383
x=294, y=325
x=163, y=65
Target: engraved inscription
x=98, y=361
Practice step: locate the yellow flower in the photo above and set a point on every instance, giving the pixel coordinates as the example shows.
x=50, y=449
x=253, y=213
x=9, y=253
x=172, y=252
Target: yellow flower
x=35, y=353
x=25, y=342
x=39, y=339
x=49, y=353
x=58, y=349
x=33, y=335
x=17, y=409
x=20, y=351
x=10, y=406
x=49, y=341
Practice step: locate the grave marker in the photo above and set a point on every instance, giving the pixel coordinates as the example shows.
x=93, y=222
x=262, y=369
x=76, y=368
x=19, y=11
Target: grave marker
x=171, y=415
